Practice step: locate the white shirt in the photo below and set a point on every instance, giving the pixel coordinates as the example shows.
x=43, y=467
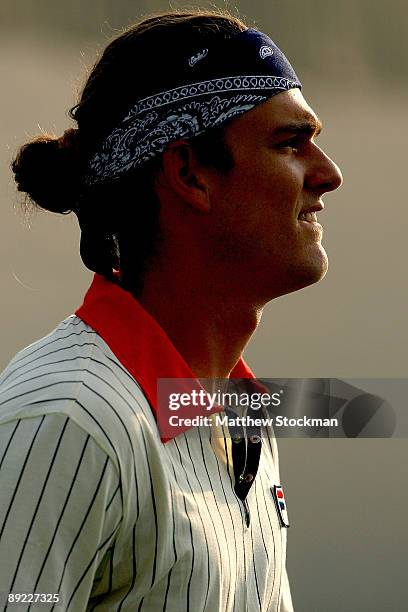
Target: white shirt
x=97, y=508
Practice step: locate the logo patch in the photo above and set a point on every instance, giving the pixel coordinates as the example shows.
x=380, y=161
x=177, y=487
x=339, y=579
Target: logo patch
x=265, y=51
x=197, y=57
x=280, y=502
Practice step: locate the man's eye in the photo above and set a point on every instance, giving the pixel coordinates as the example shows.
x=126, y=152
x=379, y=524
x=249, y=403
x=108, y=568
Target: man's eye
x=293, y=145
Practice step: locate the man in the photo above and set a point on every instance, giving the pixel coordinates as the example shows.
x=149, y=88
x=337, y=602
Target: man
x=101, y=508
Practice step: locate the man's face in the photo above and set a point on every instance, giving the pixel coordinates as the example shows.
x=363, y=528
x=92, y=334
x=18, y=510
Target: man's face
x=278, y=174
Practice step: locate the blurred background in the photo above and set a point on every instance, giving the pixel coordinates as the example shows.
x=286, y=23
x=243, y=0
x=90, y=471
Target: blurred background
x=347, y=499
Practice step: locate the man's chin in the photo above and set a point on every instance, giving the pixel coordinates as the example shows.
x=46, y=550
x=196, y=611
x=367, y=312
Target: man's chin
x=312, y=270
x=305, y=273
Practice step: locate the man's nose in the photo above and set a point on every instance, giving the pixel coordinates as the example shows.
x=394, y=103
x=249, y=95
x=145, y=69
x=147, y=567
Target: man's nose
x=324, y=174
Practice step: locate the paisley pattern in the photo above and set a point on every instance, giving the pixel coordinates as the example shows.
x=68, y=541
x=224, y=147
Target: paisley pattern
x=183, y=112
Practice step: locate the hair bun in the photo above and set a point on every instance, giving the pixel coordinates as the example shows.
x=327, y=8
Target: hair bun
x=47, y=170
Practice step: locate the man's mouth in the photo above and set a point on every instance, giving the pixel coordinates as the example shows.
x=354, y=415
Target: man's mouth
x=311, y=217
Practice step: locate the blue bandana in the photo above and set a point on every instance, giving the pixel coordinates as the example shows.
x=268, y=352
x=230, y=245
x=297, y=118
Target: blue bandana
x=217, y=84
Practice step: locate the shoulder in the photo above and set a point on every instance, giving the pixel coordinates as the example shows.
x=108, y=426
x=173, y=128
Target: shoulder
x=62, y=351
x=45, y=376
x=72, y=372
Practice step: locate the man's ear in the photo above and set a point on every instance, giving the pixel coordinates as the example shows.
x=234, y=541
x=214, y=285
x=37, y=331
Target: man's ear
x=183, y=174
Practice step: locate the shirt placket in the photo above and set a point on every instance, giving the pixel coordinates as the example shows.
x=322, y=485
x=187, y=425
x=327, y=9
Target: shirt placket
x=246, y=452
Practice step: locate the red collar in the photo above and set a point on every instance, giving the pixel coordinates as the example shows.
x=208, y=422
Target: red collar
x=137, y=340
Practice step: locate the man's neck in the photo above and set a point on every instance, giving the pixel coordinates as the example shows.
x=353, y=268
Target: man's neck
x=208, y=327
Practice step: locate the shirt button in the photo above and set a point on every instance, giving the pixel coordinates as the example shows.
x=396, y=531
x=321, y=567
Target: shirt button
x=249, y=478
x=254, y=439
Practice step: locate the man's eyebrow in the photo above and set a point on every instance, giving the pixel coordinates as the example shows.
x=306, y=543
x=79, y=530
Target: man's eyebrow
x=305, y=127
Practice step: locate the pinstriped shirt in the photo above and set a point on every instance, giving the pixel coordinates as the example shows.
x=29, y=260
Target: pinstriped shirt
x=96, y=507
